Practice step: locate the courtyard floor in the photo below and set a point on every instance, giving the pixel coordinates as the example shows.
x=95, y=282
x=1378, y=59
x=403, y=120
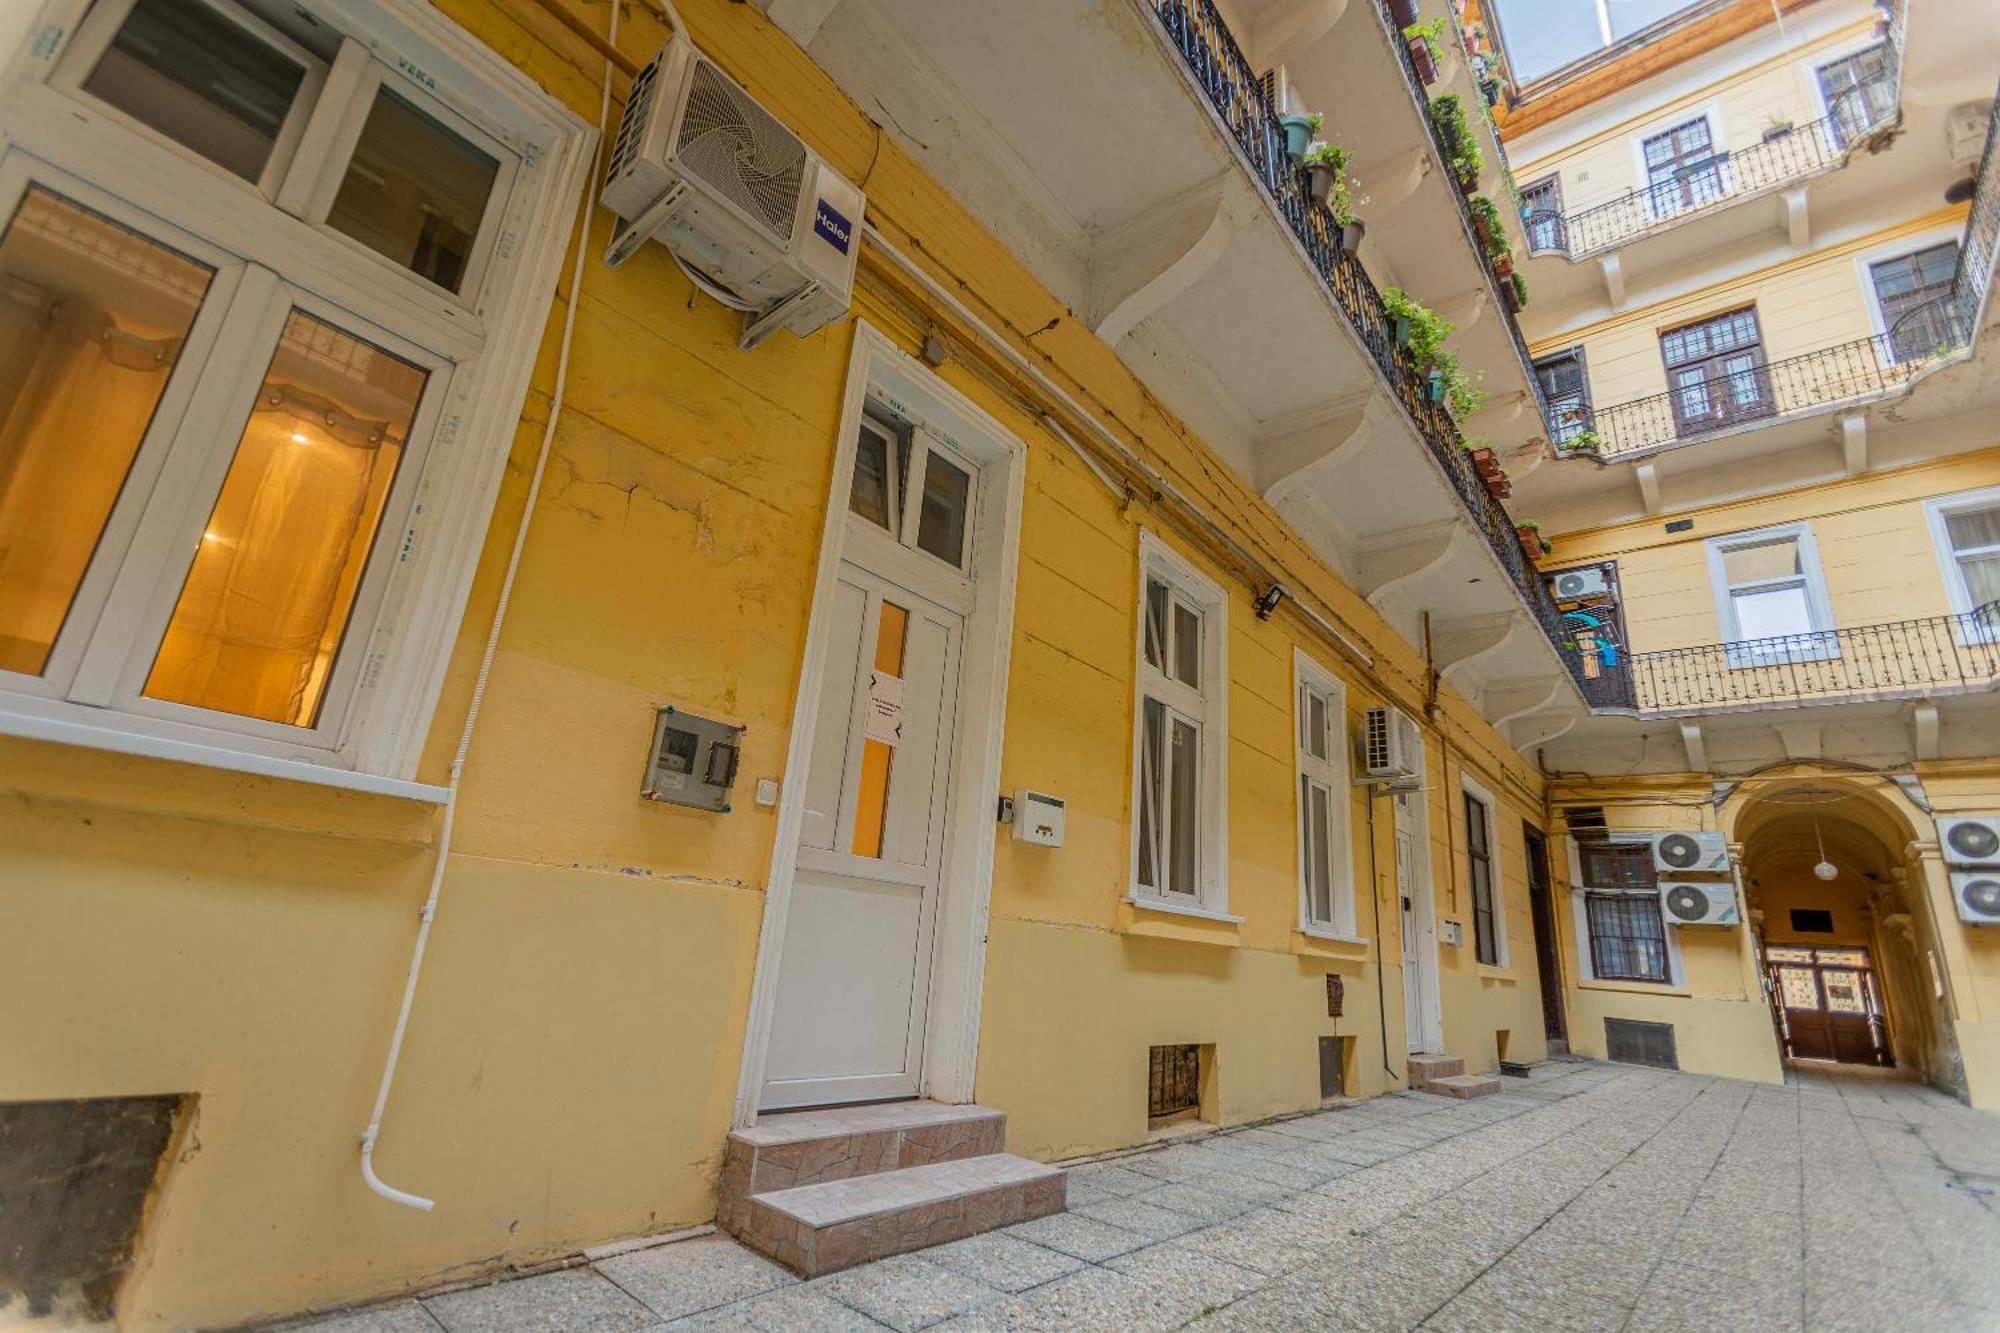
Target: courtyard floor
x=1589, y=1196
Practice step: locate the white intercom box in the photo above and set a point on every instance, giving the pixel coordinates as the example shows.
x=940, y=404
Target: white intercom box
x=1038, y=818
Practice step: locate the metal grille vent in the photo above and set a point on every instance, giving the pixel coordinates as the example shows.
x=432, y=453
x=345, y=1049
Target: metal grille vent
x=1586, y=823
x=741, y=151
x=1635, y=1043
x=632, y=125
x=1376, y=740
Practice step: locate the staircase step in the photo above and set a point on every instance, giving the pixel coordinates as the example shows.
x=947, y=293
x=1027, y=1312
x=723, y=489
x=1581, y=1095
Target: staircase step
x=809, y=1147
x=835, y=1224
x=1464, y=1085
x=1424, y=1067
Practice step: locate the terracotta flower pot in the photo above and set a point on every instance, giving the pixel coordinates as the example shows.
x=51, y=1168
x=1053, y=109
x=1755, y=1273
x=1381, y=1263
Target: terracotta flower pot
x=1531, y=541
x=1420, y=56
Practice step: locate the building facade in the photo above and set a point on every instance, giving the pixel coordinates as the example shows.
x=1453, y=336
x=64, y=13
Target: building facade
x=476, y=734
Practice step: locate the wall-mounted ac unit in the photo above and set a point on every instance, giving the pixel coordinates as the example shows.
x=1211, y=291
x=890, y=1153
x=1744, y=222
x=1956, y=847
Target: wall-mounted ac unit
x=1571, y=584
x=1392, y=749
x=755, y=218
x=1970, y=840
x=1703, y=904
x=1690, y=853
x=1976, y=893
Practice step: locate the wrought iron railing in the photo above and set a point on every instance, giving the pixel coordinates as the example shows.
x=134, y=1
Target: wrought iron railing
x=1197, y=30
x=1806, y=150
x=1972, y=280
x=1902, y=659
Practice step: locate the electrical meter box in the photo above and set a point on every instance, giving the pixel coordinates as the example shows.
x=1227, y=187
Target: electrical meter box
x=693, y=761
x=1038, y=818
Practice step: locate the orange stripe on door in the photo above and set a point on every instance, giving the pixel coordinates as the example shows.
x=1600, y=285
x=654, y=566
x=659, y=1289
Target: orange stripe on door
x=871, y=812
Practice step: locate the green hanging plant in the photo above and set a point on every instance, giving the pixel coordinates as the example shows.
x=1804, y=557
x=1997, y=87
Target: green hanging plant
x=1461, y=150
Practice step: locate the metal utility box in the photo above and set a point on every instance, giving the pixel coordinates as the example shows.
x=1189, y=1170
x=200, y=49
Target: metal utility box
x=693, y=760
x=1038, y=818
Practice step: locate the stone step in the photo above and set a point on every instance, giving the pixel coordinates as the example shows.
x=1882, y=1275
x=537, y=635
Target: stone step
x=808, y=1147
x=835, y=1224
x=1424, y=1067
x=1464, y=1085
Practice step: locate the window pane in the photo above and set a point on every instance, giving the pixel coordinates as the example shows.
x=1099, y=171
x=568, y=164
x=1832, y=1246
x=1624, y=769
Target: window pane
x=868, y=496
x=1843, y=992
x=1315, y=724
x=947, y=497
x=1799, y=989
x=1475, y=824
x=1972, y=528
x=199, y=79
x=267, y=600
x=1185, y=784
x=91, y=321
x=1321, y=868
x=1765, y=560
x=1768, y=613
x=1156, y=624
x=1152, y=770
x=1982, y=578
x=414, y=191
x=1187, y=645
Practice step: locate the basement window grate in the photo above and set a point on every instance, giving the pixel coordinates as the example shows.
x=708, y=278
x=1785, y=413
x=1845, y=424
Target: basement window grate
x=1332, y=1067
x=1630, y=1041
x=1173, y=1082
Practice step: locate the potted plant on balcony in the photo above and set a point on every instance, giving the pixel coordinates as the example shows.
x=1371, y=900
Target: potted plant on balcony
x=1461, y=150
x=1533, y=544
x=1300, y=131
x=1426, y=43
x=1585, y=441
x=1516, y=292
x=1486, y=222
x=1777, y=127
x=1327, y=180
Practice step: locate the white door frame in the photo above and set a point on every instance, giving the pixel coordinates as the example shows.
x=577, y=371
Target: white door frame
x=951, y=1029
x=1424, y=1030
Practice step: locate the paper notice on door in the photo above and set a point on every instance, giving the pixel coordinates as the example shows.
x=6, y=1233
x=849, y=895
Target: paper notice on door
x=885, y=708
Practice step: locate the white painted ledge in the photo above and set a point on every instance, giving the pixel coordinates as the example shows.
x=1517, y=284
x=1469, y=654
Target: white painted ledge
x=1182, y=909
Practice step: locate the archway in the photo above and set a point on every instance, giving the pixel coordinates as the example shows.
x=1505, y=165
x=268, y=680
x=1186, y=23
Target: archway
x=1849, y=960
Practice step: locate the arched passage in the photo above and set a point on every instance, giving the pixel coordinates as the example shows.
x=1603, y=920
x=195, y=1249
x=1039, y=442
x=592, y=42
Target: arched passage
x=1849, y=962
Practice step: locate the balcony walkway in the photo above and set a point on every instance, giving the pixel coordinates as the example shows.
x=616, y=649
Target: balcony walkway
x=1589, y=1196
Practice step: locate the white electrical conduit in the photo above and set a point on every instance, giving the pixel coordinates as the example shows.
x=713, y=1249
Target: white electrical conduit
x=428, y=915
x=1132, y=460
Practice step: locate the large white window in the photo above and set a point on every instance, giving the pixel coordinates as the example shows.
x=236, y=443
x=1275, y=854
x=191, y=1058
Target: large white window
x=1179, y=795
x=1771, y=597
x=1326, y=857
x=1965, y=529
x=274, y=277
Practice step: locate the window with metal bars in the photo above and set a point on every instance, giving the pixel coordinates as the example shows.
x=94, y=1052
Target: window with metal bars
x=1566, y=387
x=1543, y=204
x=1628, y=938
x=1617, y=865
x=1173, y=1081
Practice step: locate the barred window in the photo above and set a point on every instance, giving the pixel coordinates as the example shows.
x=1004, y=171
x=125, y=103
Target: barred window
x=1617, y=865
x=1628, y=940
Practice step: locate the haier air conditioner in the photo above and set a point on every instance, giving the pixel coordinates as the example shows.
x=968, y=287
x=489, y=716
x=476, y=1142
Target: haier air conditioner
x=1706, y=904
x=751, y=214
x=1690, y=854
x=1976, y=893
x=1970, y=840
x=1392, y=749
x=1571, y=584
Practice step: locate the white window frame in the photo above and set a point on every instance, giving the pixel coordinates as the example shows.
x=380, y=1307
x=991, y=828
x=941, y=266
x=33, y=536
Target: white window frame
x=1208, y=708
x=481, y=345
x=1330, y=773
x=1936, y=510
x=1817, y=603
x=1718, y=146
x=1580, y=923
x=1490, y=811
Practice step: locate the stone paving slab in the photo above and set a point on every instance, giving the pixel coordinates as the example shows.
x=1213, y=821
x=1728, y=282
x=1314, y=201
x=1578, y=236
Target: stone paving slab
x=1587, y=1197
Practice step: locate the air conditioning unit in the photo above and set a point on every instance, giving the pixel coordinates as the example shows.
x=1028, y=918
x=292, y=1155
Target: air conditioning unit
x=1977, y=896
x=1705, y=904
x=754, y=217
x=1392, y=749
x=1571, y=584
x=1690, y=854
x=1970, y=840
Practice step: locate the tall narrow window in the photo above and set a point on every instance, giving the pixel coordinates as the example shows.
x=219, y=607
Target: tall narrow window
x=1628, y=937
x=1911, y=291
x=1543, y=204
x=1567, y=391
x=1770, y=596
x=1683, y=169
x=1178, y=771
x=1485, y=894
x=1860, y=93
x=1715, y=373
x=1326, y=887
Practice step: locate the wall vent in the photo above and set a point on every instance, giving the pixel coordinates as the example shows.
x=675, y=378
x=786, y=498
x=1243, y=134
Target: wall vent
x=1812, y=920
x=1629, y=1041
x=1173, y=1084
x=1586, y=823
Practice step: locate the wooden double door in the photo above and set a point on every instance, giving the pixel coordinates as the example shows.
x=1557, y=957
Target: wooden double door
x=1828, y=1004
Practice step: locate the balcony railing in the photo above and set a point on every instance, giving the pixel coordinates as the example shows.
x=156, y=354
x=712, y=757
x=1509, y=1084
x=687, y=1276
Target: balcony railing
x=1197, y=30
x=1906, y=658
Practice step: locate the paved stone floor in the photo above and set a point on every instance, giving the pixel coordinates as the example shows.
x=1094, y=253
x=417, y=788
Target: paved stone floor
x=1591, y=1196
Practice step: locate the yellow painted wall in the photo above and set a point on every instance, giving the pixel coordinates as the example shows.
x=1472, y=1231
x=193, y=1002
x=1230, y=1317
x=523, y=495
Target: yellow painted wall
x=1745, y=101
x=570, y=1067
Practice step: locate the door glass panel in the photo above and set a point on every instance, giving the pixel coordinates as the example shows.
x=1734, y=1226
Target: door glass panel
x=92, y=318
x=1184, y=780
x=947, y=498
x=1152, y=768
x=871, y=810
x=1798, y=988
x=204, y=82
x=1782, y=954
x=1856, y=958
x=1694, y=393
x=414, y=191
x=1843, y=992
x=275, y=577
x=1187, y=645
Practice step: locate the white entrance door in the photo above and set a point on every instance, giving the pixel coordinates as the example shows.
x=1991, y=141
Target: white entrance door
x=854, y=976
x=1419, y=956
